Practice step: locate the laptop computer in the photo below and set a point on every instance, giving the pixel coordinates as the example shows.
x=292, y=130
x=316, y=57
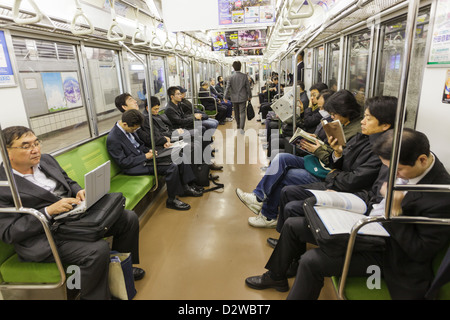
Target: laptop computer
x=97, y=184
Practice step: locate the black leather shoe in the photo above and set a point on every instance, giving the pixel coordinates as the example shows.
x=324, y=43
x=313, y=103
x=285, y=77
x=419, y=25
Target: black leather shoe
x=177, y=204
x=197, y=187
x=138, y=273
x=191, y=192
x=214, y=166
x=272, y=242
x=265, y=281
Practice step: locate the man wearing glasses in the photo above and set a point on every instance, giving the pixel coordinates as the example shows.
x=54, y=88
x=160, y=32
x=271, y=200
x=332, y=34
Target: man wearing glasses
x=43, y=185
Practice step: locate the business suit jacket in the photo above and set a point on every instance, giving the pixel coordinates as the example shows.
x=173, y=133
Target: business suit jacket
x=238, y=88
x=178, y=118
x=24, y=230
x=412, y=247
x=125, y=154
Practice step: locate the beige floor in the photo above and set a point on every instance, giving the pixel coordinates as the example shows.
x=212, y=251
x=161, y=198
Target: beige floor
x=207, y=252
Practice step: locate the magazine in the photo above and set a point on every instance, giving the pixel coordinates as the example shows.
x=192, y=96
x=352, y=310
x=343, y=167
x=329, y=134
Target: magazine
x=301, y=134
x=339, y=211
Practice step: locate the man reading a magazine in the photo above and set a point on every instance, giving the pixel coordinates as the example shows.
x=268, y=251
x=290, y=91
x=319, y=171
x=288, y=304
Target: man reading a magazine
x=406, y=261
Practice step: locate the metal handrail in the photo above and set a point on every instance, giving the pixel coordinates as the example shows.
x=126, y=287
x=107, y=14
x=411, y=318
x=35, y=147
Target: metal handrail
x=38, y=215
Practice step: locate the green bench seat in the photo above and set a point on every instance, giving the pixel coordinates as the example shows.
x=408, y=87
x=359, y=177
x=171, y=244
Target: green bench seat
x=76, y=162
x=79, y=161
x=356, y=287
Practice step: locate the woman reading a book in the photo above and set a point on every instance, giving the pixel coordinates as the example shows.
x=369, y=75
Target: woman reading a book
x=355, y=169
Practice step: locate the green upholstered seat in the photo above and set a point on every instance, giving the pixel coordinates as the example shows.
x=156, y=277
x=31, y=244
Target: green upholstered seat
x=6, y=251
x=356, y=287
x=15, y=271
x=87, y=157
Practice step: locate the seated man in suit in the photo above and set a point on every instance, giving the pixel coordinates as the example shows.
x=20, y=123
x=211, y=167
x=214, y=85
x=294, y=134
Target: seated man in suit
x=133, y=157
x=43, y=185
x=207, y=100
x=178, y=118
x=405, y=262
x=186, y=105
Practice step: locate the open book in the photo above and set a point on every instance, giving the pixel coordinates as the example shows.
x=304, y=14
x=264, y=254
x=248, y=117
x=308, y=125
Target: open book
x=334, y=129
x=339, y=211
x=301, y=134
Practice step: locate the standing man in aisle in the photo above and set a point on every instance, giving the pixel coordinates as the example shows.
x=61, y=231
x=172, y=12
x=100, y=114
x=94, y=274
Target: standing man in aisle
x=238, y=89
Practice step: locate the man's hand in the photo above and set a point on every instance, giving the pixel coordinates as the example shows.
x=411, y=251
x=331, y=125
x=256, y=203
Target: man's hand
x=198, y=116
x=81, y=195
x=63, y=205
x=149, y=155
x=308, y=146
x=338, y=149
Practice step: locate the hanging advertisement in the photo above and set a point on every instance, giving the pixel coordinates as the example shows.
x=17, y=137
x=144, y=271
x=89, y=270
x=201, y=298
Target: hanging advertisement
x=246, y=11
x=446, y=95
x=6, y=71
x=440, y=40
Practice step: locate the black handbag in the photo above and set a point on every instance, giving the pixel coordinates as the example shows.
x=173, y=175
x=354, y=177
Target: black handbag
x=250, y=111
x=203, y=177
x=336, y=245
x=94, y=223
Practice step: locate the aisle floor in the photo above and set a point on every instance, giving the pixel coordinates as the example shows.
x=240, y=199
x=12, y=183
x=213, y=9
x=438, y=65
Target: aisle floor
x=207, y=252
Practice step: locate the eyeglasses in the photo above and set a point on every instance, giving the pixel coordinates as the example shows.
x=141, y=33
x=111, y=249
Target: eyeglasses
x=29, y=147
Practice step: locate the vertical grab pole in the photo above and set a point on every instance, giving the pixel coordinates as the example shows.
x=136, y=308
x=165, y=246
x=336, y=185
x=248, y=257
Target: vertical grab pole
x=410, y=32
x=147, y=84
x=413, y=8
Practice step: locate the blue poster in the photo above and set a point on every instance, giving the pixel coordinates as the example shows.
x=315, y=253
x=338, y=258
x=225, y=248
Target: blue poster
x=6, y=71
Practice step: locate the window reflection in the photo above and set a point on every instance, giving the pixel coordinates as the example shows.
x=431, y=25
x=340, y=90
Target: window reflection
x=104, y=73
x=333, y=65
x=392, y=52
x=358, y=64
x=159, y=79
x=51, y=87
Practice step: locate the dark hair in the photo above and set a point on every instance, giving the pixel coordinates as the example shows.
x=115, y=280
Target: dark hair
x=237, y=66
x=171, y=91
x=383, y=108
x=14, y=133
x=154, y=101
x=301, y=84
x=219, y=78
x=343, y=103
x=121, y=101
x=413, y=144
x=326, y=94
x=302, y=53
x=133, y=117
x=319, y=86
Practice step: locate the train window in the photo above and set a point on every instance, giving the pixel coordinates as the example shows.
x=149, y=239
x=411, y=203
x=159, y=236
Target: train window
x=104, y=73
x=51, y=87
x=333, y=64
x=320, y=59
x=172, y=71
x=358, y=63
x=392, y=50
x=136, y=74
x=159, y=79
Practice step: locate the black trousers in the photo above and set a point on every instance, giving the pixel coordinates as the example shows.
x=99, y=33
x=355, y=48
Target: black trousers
x=291, y=203
x=314, y=265
x=176, y=177
x=93, y=257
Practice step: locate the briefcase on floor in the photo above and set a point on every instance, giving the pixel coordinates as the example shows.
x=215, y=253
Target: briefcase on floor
x=93, y=224
x=335, y=245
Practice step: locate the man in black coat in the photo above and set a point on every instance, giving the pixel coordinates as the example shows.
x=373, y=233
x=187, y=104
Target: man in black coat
x=405, y=262
x=43, y=185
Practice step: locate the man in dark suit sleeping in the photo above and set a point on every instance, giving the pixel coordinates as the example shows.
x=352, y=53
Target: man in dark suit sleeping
x=134, y=158
x=43, y=185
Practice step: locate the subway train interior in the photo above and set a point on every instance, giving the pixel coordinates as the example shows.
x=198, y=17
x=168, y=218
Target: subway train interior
x=63, y=64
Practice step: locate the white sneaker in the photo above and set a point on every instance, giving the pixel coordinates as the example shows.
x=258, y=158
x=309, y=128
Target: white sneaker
x=249, y=199
x=261, y=221
x=228, y=119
